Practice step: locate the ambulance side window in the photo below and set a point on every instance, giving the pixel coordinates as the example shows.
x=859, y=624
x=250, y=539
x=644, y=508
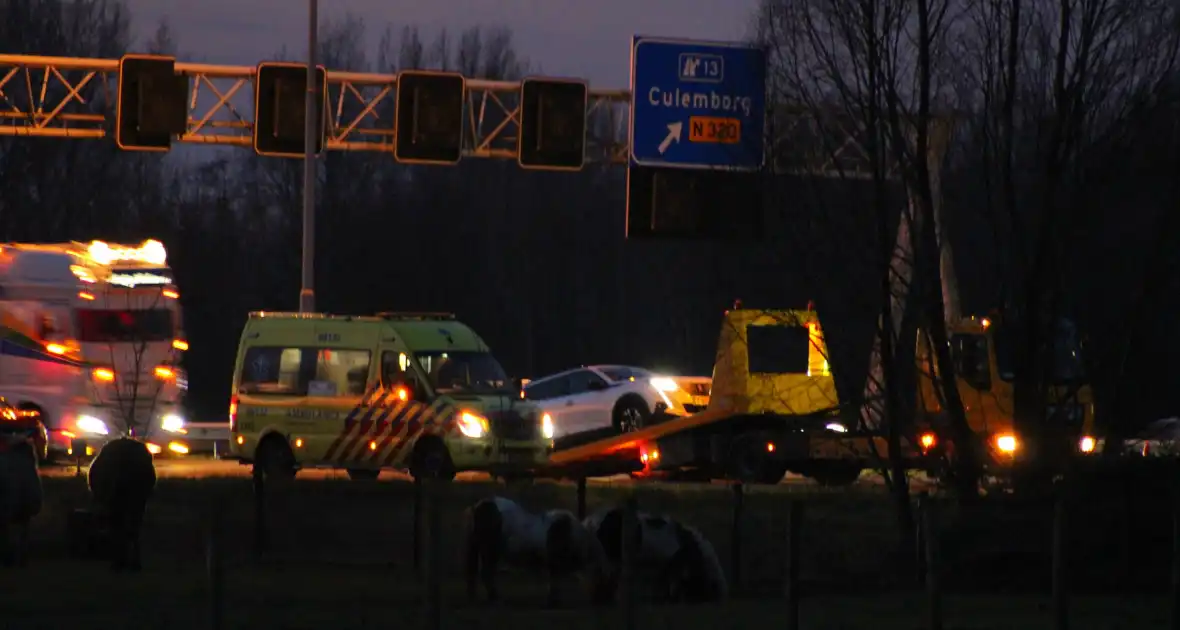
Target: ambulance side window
x=305, y=371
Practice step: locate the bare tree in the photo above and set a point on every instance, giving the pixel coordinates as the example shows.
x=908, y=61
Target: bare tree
x=1045, y=83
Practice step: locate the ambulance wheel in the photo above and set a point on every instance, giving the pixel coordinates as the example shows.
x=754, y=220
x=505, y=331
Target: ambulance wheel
x=431, y=460
x=275, y=460
x=363, y=474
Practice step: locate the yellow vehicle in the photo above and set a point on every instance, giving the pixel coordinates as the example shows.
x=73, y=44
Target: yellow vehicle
x=773, y=407
x=416, y=391
x=980, y=349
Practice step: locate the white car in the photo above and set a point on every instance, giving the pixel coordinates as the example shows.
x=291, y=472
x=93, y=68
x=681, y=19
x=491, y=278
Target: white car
x=599, y=397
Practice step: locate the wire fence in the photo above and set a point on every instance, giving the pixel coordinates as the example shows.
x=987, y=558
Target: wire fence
x=400, y=543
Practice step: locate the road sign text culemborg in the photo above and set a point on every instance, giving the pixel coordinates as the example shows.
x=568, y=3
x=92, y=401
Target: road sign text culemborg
x=697, y=104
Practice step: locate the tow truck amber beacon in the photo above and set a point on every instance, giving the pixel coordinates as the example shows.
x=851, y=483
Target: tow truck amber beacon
x=91, y=339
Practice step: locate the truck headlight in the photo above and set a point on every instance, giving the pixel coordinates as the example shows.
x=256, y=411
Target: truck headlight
x=90, y=424
x=547, y=426
x=1007, y=443
x=172, y=423
x=473, y=425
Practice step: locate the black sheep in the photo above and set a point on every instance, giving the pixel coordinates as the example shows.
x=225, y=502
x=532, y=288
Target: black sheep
x=20, y=494
x=122, y=478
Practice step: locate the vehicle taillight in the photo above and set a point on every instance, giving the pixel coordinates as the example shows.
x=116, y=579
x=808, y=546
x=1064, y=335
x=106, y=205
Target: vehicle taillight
x=233, y=414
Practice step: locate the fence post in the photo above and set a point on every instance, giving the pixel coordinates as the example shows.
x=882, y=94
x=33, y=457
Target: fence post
x=260, y=529
x=214, y=567
x=581, y=498
x=627, y=553
x=417, y=534
x=1175, y=552
x=1060, y=561
x=735, y=535
x=431, y=606
x=920, y=540
x=930, y=553
x=794, y=532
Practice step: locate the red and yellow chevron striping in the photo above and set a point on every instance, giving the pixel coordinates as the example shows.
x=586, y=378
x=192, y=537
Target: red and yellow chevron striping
x=384, y=424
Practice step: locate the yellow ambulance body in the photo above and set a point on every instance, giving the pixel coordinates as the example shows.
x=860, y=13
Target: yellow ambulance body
x=414, y=391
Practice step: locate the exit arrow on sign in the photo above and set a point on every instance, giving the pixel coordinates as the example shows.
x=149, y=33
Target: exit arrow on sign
x=674, y=131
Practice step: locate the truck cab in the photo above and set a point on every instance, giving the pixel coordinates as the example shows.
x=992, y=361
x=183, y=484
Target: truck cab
x=92, y=341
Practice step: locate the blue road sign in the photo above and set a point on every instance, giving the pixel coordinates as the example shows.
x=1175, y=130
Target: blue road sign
x=697, y=104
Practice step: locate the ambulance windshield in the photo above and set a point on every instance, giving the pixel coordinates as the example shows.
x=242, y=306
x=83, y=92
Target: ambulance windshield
x=463, y=371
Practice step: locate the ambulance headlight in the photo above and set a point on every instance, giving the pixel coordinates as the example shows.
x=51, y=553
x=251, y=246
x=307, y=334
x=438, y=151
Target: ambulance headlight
x=90, y=424
x=172, y=423
x=547, y=426
x=473, y=425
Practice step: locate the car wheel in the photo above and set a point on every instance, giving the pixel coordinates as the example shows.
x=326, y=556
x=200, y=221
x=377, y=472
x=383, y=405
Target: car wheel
x=630, y=415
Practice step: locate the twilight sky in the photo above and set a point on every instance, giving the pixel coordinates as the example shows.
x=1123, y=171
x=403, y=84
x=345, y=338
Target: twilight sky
x=585, y=38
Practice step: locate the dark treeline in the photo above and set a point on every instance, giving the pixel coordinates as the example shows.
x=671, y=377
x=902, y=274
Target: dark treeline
x=536, y=262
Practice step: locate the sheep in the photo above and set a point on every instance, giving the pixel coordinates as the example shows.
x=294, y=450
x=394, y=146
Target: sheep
x=681, y=560
x=121, y=479
x=500, y=531
x=20, y=494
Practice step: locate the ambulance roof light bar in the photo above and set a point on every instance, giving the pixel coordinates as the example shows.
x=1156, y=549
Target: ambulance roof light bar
x=150, y=251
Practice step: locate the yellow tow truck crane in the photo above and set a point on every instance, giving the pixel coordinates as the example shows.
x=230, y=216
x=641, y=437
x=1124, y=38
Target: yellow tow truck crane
x=981, y=352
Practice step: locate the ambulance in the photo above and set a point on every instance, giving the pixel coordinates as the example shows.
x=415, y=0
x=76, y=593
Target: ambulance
x=411, y=391
x=91, y=339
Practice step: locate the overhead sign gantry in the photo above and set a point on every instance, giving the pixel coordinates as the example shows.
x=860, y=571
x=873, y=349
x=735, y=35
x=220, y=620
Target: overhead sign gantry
x=69, y=97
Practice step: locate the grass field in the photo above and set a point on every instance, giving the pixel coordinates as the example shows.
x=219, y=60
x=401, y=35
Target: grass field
x=341, y=556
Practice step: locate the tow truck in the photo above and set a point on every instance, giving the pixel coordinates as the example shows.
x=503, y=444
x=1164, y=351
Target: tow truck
x=772, y=408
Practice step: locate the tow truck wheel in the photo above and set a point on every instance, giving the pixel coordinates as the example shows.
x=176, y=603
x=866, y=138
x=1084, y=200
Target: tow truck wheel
x=363, y=474
x=431, y=460
x=749, y=462
x=275, y=460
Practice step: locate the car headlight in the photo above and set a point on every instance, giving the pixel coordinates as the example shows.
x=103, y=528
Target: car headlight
x=473, y=425
x=837, y=427
x=172, y=423
x=664, y=384
x=547, y=426
x=90, y=424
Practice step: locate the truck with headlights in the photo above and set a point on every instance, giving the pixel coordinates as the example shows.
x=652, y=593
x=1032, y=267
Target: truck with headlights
x=411, y=391
x=91, y=340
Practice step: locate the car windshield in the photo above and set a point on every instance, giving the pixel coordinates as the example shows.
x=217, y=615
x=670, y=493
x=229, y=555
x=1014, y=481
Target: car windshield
x=463, y=371
x=624, y=373
x=1067, y=353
